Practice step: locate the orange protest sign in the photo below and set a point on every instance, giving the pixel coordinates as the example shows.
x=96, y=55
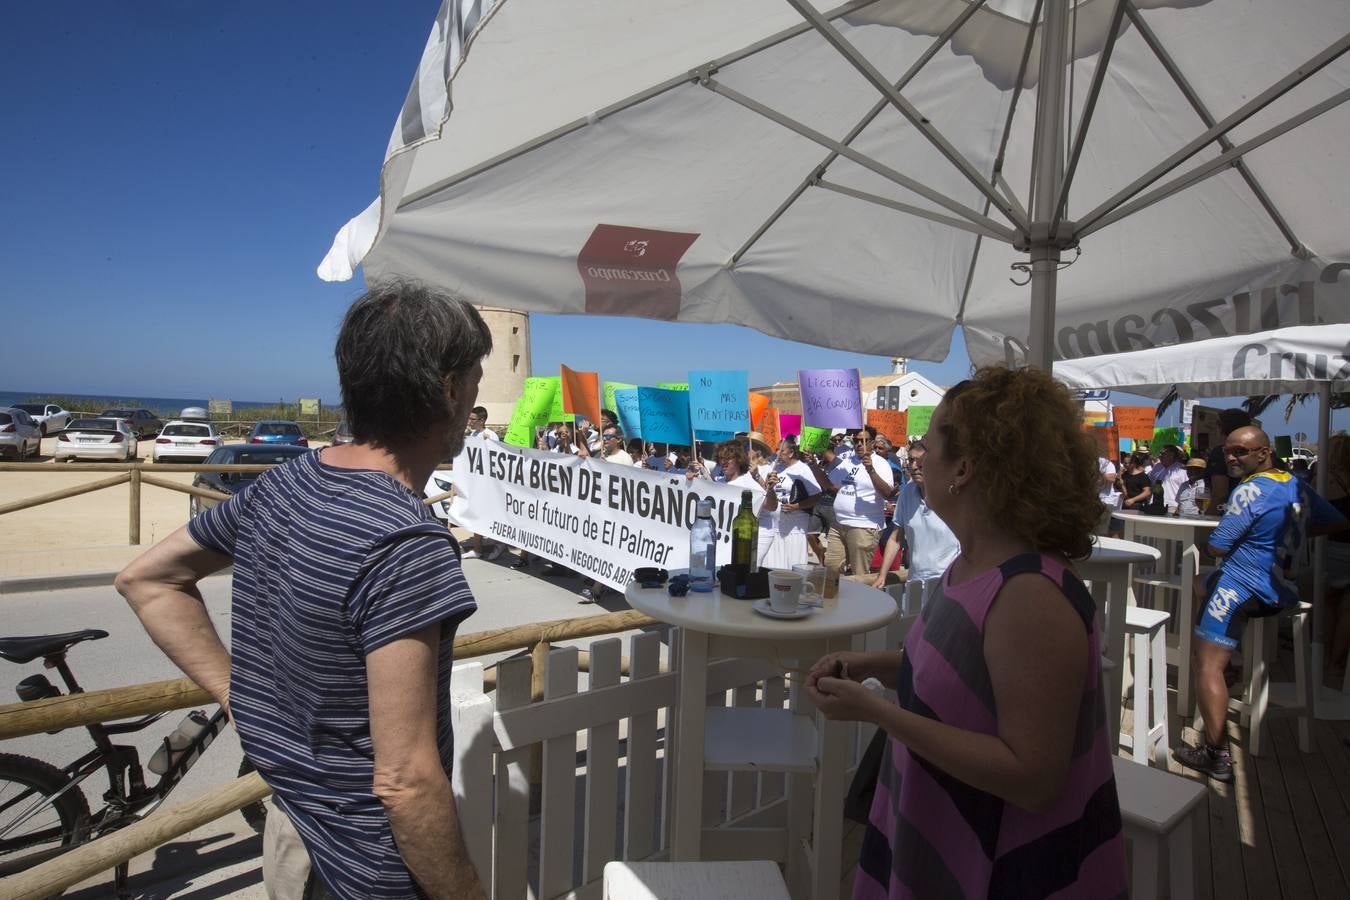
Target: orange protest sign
x=768, y=427
x=893, y=423
x=758, y=403
x=1134, y=422
x=581, y=394
x=1107, y=437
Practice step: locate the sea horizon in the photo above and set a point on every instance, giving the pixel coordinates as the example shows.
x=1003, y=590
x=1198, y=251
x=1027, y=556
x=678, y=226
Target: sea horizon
x=158, y=405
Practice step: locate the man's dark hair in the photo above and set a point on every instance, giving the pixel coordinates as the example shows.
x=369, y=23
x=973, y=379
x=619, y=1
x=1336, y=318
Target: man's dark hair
x=398, y=343
x=480, y=412
x=608, y=418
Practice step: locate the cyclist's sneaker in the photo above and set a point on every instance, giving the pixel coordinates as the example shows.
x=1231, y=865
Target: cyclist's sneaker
x=469, y=554
x=1216, y=762
x=519, y=562
x=492, y=552
x=587, y=595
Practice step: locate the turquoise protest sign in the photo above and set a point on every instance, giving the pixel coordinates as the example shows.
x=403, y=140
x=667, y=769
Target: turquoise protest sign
x=719, y=403
x=626, y=408
x=664, y=415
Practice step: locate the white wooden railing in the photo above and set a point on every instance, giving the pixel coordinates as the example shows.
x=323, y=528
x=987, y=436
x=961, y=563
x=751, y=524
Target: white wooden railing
x=611, y=800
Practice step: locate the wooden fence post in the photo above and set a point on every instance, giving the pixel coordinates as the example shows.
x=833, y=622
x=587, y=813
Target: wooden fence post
x=134, y=517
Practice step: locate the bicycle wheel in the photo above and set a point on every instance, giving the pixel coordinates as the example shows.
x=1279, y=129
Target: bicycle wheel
x=25, y=841
x=255, y=814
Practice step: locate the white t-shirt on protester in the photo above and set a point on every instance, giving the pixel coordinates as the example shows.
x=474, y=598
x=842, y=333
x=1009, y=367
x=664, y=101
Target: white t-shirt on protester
x=1172, y=478
x=932, y=546
x=798, y=471
x=857, y=504
x=1107, y=492
x=486, y=434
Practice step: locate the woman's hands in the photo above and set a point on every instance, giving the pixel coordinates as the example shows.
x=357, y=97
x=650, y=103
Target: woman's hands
x=834, y=685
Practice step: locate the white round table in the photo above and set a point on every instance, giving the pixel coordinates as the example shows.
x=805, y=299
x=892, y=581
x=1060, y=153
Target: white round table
x=715, y=626
x=1188, y=531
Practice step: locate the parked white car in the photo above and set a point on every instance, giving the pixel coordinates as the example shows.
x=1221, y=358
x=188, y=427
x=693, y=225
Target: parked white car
x=186, y=440
x=20, y=436
x=96, y=439
x=48, y=416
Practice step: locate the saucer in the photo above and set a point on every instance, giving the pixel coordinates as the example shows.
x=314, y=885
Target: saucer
x=764, y=609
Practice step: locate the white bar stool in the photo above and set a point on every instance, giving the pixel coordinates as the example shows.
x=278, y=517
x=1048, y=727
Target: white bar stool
x=1158, y=812
x=1147, y=629
x=1258, y=650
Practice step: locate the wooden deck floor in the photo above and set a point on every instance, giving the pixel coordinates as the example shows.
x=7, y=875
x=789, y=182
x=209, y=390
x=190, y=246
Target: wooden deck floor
x=1280, y=830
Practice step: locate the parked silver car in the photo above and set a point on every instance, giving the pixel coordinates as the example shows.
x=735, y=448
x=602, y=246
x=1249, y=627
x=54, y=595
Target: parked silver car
x=49, y=416
x=20, y=436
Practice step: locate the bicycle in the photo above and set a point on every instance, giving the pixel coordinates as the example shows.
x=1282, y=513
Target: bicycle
x=43, y=812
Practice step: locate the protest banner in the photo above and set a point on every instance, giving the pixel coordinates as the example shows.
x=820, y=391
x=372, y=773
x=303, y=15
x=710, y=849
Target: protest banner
x=768, y=427
x=1284, y=446
x=555, y=412
x=831, y=398
x=758, y=403
x=789, y=424
x=1134, y=421
x=719, y=403
x=673, y=385
x=919, y=419
x=599, y=519
x=663, y=415
x=813, y=439
x=608, y=394
x=626, y=408
x=581, y=394
x=893, y=423
x=531, y=411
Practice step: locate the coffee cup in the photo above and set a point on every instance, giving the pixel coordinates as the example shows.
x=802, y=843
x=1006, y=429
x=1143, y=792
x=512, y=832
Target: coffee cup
x=785, y=590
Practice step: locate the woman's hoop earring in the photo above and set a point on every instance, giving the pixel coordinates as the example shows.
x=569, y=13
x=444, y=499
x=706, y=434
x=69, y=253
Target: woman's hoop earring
x=953, y=489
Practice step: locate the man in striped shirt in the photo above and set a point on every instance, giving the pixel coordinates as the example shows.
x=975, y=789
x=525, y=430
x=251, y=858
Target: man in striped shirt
x=346, y=596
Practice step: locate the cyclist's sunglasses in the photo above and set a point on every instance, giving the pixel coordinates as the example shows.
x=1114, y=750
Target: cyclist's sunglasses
x=1237, y=451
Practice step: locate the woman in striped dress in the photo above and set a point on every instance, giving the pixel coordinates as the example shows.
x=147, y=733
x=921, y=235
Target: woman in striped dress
x=997, y=781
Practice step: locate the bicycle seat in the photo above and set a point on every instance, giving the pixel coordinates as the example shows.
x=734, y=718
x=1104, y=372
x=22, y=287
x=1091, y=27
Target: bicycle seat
x=27, y=649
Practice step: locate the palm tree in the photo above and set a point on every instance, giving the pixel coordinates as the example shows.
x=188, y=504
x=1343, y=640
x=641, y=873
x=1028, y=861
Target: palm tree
x=1257, y=405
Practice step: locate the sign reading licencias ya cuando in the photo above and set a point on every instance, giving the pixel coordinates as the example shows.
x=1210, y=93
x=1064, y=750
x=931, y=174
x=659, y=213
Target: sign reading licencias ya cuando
x=600, y=519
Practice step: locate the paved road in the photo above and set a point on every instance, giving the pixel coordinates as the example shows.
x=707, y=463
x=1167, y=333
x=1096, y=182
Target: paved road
x=222, y=859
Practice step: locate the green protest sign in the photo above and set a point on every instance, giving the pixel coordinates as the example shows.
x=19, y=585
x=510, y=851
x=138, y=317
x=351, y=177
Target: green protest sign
x=919, y=419
x=1164, y=436
x=555, y=413
x=813, y=439
x=673, y=385
x=532, y=410
x=607, y=394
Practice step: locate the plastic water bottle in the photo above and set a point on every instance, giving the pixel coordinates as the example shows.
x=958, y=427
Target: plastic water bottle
x=178, y=740
x=703, y=549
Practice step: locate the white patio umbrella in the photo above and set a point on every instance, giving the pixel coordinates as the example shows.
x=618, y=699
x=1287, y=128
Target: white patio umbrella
x=869, y=175
x=1301, y=360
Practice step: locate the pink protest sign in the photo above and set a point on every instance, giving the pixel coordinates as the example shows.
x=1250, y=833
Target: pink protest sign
x=789, y=424
x=831, y=398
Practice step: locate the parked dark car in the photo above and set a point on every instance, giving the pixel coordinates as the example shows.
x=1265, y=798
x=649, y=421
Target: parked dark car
x=234, y=482
x=343, y=434
x=143, y=422
x=277, y=431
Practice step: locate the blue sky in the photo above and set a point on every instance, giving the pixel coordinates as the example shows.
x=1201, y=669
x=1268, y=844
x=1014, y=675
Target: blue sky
x=176, y=170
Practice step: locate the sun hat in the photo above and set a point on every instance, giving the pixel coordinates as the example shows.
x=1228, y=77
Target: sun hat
x=1196, y=463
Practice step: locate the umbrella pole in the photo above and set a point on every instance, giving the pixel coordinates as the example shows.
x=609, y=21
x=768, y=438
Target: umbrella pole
x=1048, y=175
x=1327, y=703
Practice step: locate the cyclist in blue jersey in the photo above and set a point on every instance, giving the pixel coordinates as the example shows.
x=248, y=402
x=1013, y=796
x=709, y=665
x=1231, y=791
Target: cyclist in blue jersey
x=1269, y=515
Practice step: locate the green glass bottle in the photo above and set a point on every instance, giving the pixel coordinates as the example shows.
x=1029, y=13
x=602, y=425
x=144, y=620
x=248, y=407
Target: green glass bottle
x=745, y=536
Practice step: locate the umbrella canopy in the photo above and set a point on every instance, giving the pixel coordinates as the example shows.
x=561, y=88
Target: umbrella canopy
x=1284, y=361
x=867, y=176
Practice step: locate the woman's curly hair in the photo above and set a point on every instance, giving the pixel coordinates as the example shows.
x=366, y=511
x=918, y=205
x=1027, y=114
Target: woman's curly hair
x=1051, y=498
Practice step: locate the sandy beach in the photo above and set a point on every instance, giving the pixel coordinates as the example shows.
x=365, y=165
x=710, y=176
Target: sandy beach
x=86, y=533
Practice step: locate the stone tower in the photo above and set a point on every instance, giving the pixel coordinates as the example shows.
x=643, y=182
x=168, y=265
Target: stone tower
x=505, y=369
